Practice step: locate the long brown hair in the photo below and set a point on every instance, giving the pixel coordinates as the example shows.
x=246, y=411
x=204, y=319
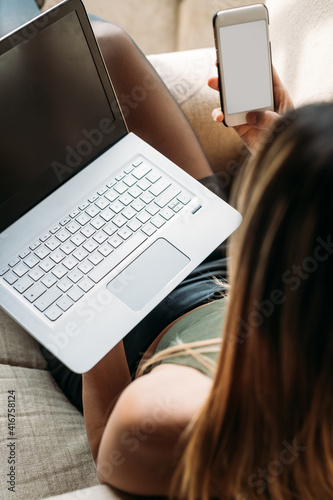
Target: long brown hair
x=266, y=430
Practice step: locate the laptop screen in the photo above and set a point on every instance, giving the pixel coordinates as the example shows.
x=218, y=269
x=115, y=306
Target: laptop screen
x=56, y=114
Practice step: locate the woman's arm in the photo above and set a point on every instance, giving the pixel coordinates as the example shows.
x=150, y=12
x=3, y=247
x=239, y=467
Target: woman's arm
x=140, y=449
x=101, y=387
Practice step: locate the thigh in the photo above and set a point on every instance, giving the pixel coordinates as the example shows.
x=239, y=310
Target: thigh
x=149, y=108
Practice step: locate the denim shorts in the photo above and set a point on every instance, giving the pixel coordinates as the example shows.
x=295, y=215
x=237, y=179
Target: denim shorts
x=198, y=288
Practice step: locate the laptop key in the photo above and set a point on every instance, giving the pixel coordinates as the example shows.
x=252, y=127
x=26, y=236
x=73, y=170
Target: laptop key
x=34, y=245
x=141, y=170
x=73, y=227
x=75, y=275
x=57, y=256
x=86, y=284
x=92, y=211
x=63, y=235
x=45, y=237
x=10, y=278
x=88, y=231
x=121, y=187
x=23, y=284
x=70, y=262
x=52, y=243
x=95, y=258
x=64, y=285
x=107, y=214
x=159, y=187
x=115, y=241
x=13, y=262
x=47, y=264
x=80, y=254
x=47, y=299
x=53, y=313
x=90, y=246
x=102, y=203
x=65, y=221
x=60, y=271
x=97, y=223
x=110, y=229
x=144, y=184
x=55, y=229
x=49, y=280
x=75, y=293
x=31, y=261
x=82, y=219
x=21, y=269
x=158, y=221
x=105, y=250
x=134, y=224
x=78, y=239
x=167, y=196
x=42, y=252
x=153, y=176
x=24, y=253
x=35, y=291
x=125, y=233
x=85, y=267
x=115, y=258
x=100, y=237
x=68, y=247
x=36, y=274
x=65, y=303
x=149, y=229
x=3, y=270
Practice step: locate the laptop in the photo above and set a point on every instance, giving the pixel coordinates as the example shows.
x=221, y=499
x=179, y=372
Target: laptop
x=96, y=226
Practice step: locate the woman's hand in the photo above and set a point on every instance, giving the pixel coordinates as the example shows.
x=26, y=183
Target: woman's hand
x=258, y=122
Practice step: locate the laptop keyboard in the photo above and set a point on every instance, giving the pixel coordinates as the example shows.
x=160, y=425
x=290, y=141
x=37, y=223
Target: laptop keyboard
x=66, y=262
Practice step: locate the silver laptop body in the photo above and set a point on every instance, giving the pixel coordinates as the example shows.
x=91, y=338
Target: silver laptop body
x=97, y=227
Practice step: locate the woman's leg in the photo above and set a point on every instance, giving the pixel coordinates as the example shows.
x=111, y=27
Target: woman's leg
x=14, y=13
x=150, y=110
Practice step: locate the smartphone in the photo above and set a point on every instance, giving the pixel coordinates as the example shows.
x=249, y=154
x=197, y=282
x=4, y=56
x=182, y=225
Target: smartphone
x=244, y=63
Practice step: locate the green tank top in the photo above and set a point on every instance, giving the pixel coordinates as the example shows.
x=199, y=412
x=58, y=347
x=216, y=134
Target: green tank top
x=200, y=324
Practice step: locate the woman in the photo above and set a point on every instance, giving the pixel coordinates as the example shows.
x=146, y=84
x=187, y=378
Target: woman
x=261, y=429
x=259, y=426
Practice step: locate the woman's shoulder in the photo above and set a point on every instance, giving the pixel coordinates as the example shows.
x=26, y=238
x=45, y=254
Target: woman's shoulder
x=145, y=427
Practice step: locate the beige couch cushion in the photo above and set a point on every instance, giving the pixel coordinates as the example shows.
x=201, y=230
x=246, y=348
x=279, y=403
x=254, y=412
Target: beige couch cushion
x=302, y=47
x=185, y=74
x=52, y=451
x=17, y=348
x=101, y=492
x=195, y=27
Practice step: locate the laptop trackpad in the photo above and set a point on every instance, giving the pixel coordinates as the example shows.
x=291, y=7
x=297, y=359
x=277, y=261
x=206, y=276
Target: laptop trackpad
x=149, y=273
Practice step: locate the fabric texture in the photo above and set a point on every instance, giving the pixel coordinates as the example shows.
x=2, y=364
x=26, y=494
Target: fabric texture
x=52, y=451
x=17, y=348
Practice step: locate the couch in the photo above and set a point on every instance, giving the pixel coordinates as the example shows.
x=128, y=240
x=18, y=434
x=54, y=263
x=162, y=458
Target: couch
x=51, y=449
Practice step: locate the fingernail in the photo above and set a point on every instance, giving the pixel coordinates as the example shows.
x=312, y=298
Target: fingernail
x=216, y=114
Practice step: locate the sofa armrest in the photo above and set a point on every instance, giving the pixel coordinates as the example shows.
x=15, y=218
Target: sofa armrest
x=100, y=492
x=185, y=74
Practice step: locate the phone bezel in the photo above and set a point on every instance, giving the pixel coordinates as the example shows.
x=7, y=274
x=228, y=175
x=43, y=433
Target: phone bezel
x=230, y=17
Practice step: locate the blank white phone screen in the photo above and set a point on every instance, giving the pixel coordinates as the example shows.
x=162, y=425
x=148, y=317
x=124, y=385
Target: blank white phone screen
x=245, y=66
